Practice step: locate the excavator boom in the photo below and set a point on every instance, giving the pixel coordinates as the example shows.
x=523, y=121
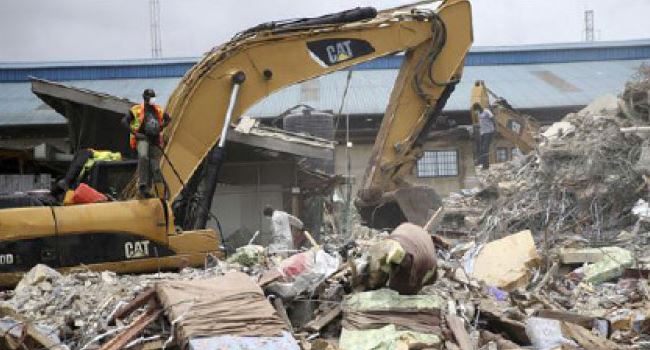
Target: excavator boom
x=233, y=77
x=140, y=235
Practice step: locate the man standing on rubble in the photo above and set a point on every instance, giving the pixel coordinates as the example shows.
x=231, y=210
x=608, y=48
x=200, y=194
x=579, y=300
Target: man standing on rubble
x=486, y=130
x=146, y=122
x=283, y=224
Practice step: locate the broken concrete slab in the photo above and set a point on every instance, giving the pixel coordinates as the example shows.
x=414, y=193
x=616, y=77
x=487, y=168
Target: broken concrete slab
x=285, y=342
x=570, y=256
x=505, y=263
x=614, y=262
x=373, y=309
x=36, y=275
x=386, y=338
x=558, y=130
x=546, y=334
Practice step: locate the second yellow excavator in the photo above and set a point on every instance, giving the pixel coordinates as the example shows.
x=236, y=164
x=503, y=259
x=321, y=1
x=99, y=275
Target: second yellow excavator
x=516, y=127
x=141, y=235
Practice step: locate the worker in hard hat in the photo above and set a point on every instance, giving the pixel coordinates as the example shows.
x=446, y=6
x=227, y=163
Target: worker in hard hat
x=146, y=122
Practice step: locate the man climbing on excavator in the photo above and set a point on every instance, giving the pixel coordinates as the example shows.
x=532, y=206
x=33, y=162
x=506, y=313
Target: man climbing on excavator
x=486, y=130
x=145, y=123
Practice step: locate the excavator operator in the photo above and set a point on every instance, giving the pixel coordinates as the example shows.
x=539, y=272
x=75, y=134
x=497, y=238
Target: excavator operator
x=145, y=123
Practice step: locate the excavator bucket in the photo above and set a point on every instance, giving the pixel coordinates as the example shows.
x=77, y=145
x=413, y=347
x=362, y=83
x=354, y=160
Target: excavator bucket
x=414, y=204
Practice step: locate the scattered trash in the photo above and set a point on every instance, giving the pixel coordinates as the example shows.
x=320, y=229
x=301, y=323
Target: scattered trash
x=248, y=255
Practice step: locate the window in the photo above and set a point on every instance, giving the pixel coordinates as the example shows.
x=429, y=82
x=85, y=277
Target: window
x=503, y=154
x=438, y=163
x=516, y=152
x=514, y=126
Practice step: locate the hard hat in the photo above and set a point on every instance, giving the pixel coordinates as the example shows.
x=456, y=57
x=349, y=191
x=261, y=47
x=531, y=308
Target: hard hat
x=148, y=93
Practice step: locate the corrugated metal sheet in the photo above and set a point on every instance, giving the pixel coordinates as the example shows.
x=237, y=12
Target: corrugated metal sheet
x=19, y=106
x=520, y=84
x=478, y=56
x=369, y=90
x=23, y=183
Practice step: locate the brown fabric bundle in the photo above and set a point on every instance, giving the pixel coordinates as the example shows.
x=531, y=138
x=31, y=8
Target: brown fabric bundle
x=420, y=258
x=229, y=305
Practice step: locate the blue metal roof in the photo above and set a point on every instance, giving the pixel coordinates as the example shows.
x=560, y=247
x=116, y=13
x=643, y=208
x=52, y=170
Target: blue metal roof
x=478, y=56
x=19, y=106
x=524, y=86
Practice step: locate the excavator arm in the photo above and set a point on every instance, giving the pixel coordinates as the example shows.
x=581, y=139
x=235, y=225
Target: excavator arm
x=233, y=77
x=139, y=235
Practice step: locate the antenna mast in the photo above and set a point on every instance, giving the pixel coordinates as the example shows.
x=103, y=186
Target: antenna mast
x=154, y=18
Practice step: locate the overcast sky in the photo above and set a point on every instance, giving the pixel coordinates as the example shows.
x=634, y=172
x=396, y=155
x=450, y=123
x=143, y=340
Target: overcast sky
x=51, y=30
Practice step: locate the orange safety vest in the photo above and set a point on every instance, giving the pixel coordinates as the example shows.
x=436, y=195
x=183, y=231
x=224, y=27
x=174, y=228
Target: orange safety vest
x=138, y=113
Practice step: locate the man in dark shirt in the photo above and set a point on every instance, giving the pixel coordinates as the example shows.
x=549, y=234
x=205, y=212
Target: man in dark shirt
x=145, y=123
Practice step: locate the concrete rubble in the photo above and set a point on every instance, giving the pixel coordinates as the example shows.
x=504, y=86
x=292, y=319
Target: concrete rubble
x=549, y=252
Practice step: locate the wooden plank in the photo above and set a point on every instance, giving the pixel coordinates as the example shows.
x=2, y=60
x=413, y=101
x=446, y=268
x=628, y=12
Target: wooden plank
x=279, y=307
x=584, y=321
x=435, y=220
x=150, y=345
x=585, y=339
x=42, y=339
x=457, y=326
x=493, y=315
x=504, y=344
x=137, y=302
x=323, y=320
x=133, y=330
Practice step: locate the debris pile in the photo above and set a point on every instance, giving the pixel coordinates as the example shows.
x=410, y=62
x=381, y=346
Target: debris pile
x=581, y=180
x=79, y=305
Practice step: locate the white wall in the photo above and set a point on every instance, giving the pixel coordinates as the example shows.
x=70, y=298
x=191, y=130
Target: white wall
x=239, y=208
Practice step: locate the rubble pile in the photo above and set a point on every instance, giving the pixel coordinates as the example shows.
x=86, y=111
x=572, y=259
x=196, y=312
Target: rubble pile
x=78, y=305
x=635, y=103
x=581, y=180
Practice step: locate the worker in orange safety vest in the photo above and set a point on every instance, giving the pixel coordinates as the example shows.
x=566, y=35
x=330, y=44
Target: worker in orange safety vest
x=145, y=123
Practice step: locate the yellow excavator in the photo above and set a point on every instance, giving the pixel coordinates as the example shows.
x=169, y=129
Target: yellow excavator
x=515, y=127
x=142, y=235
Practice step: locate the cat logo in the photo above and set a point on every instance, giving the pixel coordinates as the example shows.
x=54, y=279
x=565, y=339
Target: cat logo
x=339, y=52
x=328, y=52
x=137, y=249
